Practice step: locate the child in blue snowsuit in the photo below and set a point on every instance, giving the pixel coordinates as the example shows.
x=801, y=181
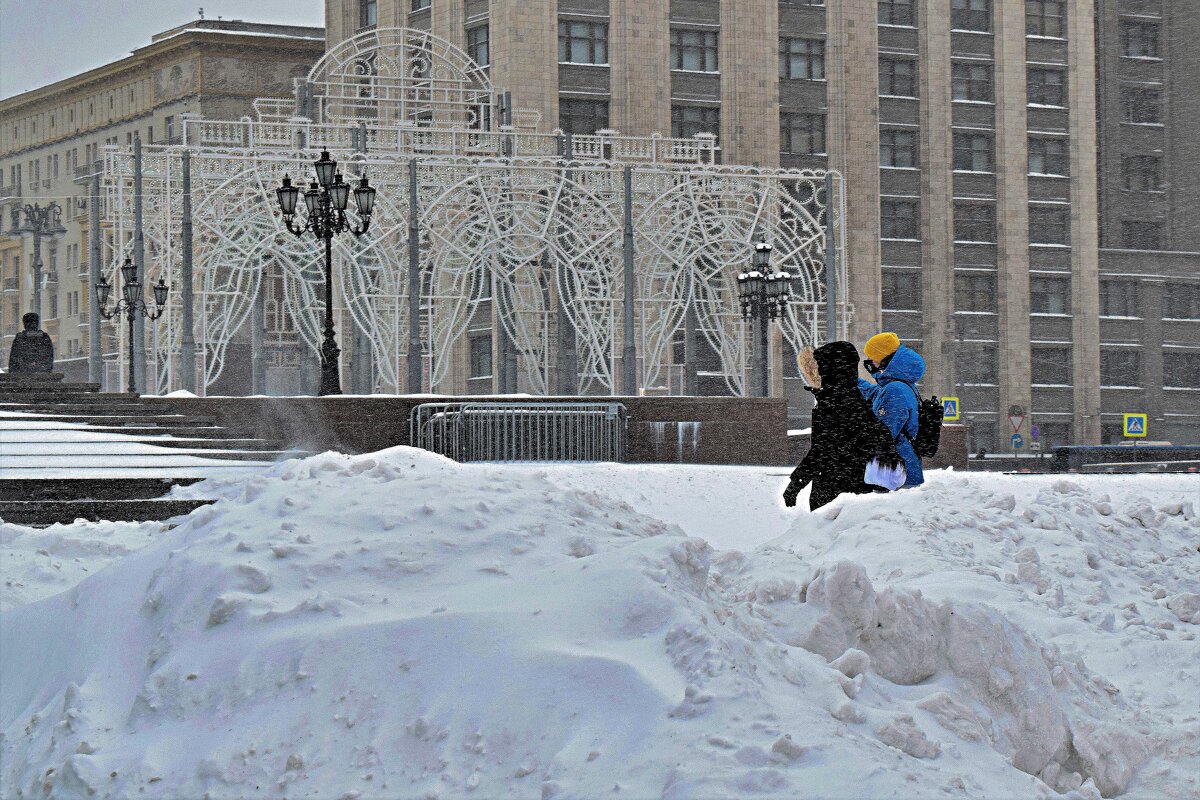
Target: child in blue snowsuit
x=893, y=396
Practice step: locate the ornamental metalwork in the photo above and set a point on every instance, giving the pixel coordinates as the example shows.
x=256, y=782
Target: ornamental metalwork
x=518, y=233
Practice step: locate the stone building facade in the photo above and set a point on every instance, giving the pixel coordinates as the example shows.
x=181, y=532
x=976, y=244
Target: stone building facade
x=968, y=132
x=52, y=140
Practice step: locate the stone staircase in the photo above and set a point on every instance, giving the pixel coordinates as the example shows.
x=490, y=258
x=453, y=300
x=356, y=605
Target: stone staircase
x=69, y=452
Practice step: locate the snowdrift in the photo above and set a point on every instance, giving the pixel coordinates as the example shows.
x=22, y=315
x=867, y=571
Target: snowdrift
x=397, y=625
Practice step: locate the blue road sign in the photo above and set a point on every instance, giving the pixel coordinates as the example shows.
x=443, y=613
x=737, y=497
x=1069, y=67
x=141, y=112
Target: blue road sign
x=950, y=411
x=1018, y=441
x=1135, y=426
x=1035, y=431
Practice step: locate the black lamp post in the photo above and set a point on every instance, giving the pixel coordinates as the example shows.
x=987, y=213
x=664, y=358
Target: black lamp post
x=131, y=304
x=764, y=295
x=40, y=222
x=326, y=200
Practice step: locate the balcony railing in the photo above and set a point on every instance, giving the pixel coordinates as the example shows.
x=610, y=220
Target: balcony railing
x=410, y=139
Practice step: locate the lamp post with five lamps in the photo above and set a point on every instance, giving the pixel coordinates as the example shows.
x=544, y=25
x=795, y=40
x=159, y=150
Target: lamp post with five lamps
x=41, y=222
x=764, y=295
x=131, y=304
x=326, y=200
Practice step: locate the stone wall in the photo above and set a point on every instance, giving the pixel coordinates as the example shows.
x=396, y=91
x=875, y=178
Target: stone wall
x=693, y=430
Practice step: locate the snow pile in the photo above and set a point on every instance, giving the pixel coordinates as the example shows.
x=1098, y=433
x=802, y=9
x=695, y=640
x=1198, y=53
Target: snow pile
x=397, y=625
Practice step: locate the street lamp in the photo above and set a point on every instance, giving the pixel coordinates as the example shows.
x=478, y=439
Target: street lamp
x=39, y=222
x=764, y=296
x=325, y=200
x=131, y=304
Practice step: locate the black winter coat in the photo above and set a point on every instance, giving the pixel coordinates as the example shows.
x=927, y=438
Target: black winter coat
x=32, y=351
x=846, y=436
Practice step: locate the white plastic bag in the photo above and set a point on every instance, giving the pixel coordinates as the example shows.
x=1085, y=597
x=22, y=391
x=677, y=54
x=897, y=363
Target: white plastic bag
x=879, y=475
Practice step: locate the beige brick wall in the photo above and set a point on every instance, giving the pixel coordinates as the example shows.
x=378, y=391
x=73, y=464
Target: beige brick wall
x=524, y=51
x=749, y=62
x=639, y=41
x=1085, y=251
x=449, y=18
x=937, y=191
x=1012, y=209
x=852, y=71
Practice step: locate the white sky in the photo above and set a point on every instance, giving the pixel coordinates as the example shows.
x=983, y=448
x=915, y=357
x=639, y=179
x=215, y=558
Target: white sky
x=42, y=41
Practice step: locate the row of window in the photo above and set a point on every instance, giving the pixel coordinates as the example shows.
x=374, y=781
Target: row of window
x=974, y=222
x=1048, y=294
x=1042, y=17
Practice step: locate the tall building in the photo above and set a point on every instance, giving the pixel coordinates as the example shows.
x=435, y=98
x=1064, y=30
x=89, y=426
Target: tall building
x=968, y=133
x=1149, y=303
x=52, y=139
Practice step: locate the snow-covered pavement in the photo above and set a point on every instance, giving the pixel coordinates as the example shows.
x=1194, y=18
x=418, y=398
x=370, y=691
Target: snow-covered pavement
x=397, y=625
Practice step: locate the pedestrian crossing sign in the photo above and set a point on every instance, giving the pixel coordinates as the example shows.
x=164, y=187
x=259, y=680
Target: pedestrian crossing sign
x=950, y=409
x=1135, y=426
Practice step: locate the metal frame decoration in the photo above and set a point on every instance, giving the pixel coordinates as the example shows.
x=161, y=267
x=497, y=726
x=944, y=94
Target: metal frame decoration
x=537, y=237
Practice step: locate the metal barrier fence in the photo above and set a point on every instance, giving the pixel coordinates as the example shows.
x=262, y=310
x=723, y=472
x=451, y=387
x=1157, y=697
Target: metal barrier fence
x=521, y=431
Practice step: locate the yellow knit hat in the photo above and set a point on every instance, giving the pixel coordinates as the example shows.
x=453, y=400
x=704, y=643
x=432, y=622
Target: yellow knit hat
x=881, y=345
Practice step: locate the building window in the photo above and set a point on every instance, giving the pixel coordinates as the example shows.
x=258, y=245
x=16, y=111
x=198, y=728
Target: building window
x=1139, y=39
x=972, y=82
x=582, y=116
x=1050, y=366
x=1045, y=18
x=1118, y=299
x=1049, y=295
x=898, y=77
x=975, y=363
x=368, y=12
x=1141, y=105
x=1049, y=225
x=582, y=42
x=169, y=122
x=1181, y=301
x=971, y=15
x=1046, y=87
x=901, y=290
x=802, y=59
x=975, y=291
x=1141, y=235
x=477, y=45
x=687, y=121
x=1120, y=368
x=1048, y=157
x=897, y=12
x=53, y=306
x=694, y=51
x=899, y=219
x=973, y=152
x=481, y=356
x=1142, y=173
x=974, y=222
x=802, y=134
x=897, y=148
x=1181, y=370
x=1055, y=434
x=421, y=5
x=982, y=435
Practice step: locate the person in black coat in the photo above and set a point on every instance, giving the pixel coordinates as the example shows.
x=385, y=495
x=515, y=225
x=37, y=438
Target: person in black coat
x=846, y=435
x=32, y=350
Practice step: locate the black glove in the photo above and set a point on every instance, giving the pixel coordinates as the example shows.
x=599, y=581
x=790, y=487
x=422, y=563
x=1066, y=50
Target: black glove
x=870, y=366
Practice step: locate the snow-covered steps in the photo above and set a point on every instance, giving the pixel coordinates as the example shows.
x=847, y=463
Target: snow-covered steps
x=42, y=513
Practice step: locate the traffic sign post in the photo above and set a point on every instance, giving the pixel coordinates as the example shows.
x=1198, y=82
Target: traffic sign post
x=951, y=409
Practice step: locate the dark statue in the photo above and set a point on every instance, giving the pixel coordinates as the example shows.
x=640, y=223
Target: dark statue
x=32, y=350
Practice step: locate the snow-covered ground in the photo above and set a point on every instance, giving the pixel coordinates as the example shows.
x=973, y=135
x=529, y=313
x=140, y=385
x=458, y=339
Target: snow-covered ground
x=397, y=625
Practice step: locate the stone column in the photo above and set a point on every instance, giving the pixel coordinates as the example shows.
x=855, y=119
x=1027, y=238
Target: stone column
x=639, y=42
x=937, y=192
x=448, y=21
x=749, y=62
x=852, y=71
x=1012, y=209
x=1085, y=236
x=1152, y=353
x=523, y=40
